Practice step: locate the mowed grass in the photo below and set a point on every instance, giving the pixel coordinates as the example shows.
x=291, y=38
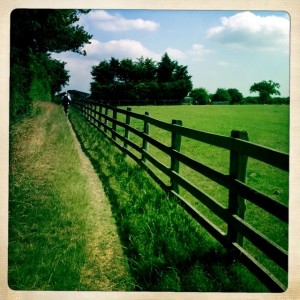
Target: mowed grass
x=267, y=125
x=54, y=232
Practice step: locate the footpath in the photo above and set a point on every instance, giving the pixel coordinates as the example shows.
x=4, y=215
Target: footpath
x=61, y=222
x=104, y=244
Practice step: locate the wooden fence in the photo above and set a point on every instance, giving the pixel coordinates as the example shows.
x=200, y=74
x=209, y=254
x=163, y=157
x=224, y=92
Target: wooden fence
x=105, y=119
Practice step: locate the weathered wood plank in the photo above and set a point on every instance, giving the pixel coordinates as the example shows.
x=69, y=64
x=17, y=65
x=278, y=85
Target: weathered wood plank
x=277, y=209
x=159, y=165
x=237, y=170
x=195, y=165
x=266, y=277
x=175, y=145
x=218, y=234
x=270, y=248
x=207, y=200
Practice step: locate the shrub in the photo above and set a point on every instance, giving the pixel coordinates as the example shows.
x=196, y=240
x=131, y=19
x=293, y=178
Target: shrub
x=235, y=95
x=221, y=95
x=199, y=96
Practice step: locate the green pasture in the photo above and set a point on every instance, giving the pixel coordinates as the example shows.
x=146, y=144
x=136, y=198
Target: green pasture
x=267, y=125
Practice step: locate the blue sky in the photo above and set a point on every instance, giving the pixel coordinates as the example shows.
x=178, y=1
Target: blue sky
x=222, y=49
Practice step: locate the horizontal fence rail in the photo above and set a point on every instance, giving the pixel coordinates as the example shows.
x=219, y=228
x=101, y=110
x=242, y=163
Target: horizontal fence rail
x=106, y=119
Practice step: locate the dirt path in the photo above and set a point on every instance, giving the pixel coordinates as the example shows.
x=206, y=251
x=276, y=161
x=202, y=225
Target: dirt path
x=104, y=244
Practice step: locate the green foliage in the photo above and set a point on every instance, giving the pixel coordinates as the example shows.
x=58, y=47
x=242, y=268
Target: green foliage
x=280, y=100
x=221, y=95
x=20, y=101
x=40, y=90
x=165, y=69
x=142, y=79
x=49, y=76
x=34, y=34
x=48, y=30
x=250, y=100
x=200, y=96
x=235, y=95
x=265, y=90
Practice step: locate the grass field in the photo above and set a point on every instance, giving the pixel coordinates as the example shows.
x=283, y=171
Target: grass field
x=266, y=125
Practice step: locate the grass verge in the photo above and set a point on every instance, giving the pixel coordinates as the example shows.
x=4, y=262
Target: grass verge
x=166, y=249
x=55, y=237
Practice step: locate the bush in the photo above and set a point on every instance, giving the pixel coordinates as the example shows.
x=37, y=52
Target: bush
x=199, y=96
x=236, y=96
x=250, y=100
x=221, y=95
x=20, y=101
x=280, y=100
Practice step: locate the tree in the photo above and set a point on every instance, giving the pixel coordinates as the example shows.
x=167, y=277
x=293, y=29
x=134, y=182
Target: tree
x=35, y=33
x=48, y=76
x=173, y=79
x=146, y=69
x=199, y=96
x=142, y=79
x=235, y=95
x=165, y=69
x=221, y=95
x=48, y=30
x=265, y=90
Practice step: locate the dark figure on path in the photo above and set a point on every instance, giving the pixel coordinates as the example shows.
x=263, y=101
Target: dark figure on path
x=65, y=101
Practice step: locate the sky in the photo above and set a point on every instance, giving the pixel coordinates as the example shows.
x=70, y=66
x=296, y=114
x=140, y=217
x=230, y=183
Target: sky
x=222, y=49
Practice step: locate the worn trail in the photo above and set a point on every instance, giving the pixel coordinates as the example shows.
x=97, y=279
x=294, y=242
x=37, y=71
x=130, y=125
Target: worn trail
x=103, y=244
x=61, y=222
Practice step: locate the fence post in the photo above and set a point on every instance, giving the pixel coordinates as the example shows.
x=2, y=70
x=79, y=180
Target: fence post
x=114, y=124
x=100, y=117
x=126, y=134
x=237, y=170
x=105, y=119
x=94, y=113
x=146, y=131
x=89, y=111
x=175, y=145
x=83, y=107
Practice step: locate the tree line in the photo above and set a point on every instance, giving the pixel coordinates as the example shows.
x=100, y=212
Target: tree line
x=265, y=89
x=143, y=79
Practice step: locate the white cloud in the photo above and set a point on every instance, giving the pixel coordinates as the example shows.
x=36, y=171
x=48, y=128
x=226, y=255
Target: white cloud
x=249, y=31
x=79, y=68
x=116, y=23
x=175, y=53
x=124, y=48
x=198, y=51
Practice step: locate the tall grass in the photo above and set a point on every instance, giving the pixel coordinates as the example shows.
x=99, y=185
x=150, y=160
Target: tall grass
x=267, y=125
x=167, y=250
x=51, y=219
